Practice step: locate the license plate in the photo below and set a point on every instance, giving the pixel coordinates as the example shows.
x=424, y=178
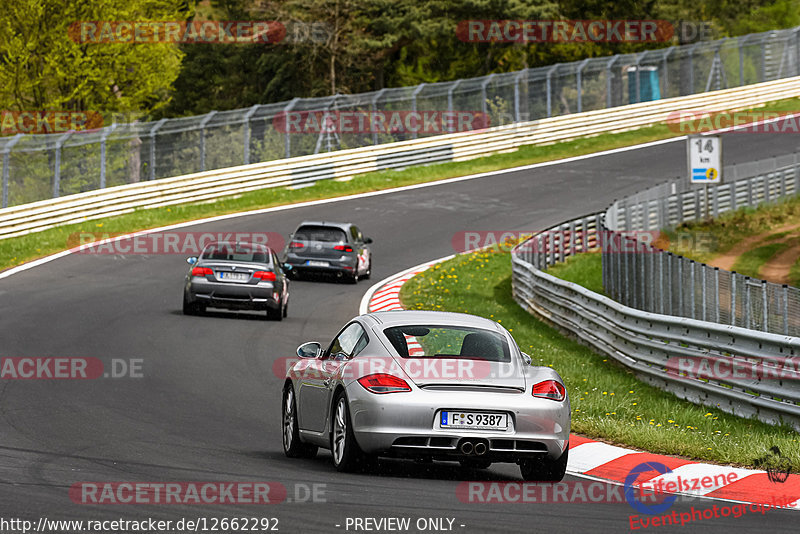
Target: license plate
x=234, y=277
x=312, y=263
x=494, y=421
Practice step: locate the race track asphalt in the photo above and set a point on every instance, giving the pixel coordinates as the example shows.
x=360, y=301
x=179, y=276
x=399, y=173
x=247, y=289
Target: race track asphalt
x=207, y=406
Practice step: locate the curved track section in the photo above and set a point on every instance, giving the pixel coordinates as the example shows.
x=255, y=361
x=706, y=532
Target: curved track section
x=207, y=407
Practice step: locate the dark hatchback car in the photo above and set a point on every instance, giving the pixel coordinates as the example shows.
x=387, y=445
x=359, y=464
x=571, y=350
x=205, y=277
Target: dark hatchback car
x=324, y=247
x=236, y=276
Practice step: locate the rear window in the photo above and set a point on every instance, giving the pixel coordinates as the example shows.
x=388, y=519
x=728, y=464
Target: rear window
x=237, y=252
x=327, y=234
x=430, y=341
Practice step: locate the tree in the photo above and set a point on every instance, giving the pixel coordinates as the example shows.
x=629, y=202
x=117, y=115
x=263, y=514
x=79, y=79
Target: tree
x=43, y=66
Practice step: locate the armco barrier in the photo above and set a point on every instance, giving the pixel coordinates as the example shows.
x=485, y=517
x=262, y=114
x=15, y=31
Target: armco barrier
x=650, y=343
x=37, y=216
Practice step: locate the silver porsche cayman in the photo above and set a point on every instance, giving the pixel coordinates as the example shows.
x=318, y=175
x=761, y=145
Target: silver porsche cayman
x=428, y=385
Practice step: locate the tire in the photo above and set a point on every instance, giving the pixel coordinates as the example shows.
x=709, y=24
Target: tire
x=192, y=308
x=368, y=274
x=352, y=279
x=275, y=314
x=475, y=463
x=347, y=455
x=286, y=309
x=545, y=470
x=292, y=446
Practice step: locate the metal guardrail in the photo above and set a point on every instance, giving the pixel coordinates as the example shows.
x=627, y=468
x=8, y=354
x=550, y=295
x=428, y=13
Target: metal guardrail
x=645, y=277
x=649, y=343
x=37, y=216
x=37, y=167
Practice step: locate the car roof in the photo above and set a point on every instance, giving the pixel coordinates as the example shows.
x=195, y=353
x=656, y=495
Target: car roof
x=340, y=225
x=387, y=319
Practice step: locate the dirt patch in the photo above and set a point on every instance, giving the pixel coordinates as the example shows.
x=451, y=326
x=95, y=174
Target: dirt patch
x=726, y=260
x=778, y=267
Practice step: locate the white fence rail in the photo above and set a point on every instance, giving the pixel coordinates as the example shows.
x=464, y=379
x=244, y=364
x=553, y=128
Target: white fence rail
x=38, y=216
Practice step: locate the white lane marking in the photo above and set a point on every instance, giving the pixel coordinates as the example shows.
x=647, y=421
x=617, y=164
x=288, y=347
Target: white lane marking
x=47, y=259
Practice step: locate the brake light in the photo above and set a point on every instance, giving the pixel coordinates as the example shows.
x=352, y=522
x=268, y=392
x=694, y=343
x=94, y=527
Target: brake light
x=343, y=248
x=383, y=383
x=297, y=244
x=269, y=276
x=549, y=389
x=201, y=271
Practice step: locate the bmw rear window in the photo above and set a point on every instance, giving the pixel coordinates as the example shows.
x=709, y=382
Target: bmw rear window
x=432, y=341
x=237, y=252
x=325, y=234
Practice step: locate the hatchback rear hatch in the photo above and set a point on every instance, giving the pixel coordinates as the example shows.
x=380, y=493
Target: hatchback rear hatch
x=319, y=242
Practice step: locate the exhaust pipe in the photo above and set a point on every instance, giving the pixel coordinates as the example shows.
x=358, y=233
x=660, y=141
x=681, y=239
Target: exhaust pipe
x=480, y=448
x=467, y=447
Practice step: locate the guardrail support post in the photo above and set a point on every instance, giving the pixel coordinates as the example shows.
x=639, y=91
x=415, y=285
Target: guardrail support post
x=203, y=124
x=57, y=165
x=152, y=134
x=7, y=166
x=578, y=83
x=287, y=140
x=550, y=89
x=106, y=132
x=246, y=133
x=419, y=88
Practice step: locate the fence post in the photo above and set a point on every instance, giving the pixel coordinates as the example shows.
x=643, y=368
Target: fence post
x=742, y=41
x=57, y=167
x=747, y=302
x=609, y=76
x=106, y=132
x=578, y=83
x=703, y=290
x=152, y=134
x=733, y=298
x=246, y=133
x=765, y=305
x=680, y=286
x=203, y=124
x=287, y=140
x=419, y=88
x=785, y=310
x=550, y=89
x=691, y=67
x=7, y=166
x=692, y=288
x=517, y=110
x=716, y=293
x=483, y=93
x=665, y=77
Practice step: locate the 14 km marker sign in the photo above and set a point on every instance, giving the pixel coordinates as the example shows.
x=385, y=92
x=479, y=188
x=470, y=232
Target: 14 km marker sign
x=705, y=159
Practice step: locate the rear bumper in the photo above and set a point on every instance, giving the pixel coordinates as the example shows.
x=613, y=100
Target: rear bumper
x=345, y=265
x=407, y=424
x=233, y=296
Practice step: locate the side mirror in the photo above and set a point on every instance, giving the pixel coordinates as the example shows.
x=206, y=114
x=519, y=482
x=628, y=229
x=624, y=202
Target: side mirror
x=367, y=240
x=312, y=349
x=286, y=267
x=192, y=260
x=528, y=360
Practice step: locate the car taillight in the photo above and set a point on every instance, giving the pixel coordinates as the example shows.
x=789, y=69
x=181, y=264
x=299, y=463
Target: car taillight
x=343, y=248
x=549, y=389
x=201, y=271
x=269, y=276
x=297, y=244
x=383, y=383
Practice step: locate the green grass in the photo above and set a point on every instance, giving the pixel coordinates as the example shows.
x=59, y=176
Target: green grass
x=19, y=250
x=751, y=261
x=608, y=402
x=722, y=233
x=584, y=269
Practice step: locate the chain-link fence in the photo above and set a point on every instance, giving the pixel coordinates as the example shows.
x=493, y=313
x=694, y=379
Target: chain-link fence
x=638, y=274
x=38, y=167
